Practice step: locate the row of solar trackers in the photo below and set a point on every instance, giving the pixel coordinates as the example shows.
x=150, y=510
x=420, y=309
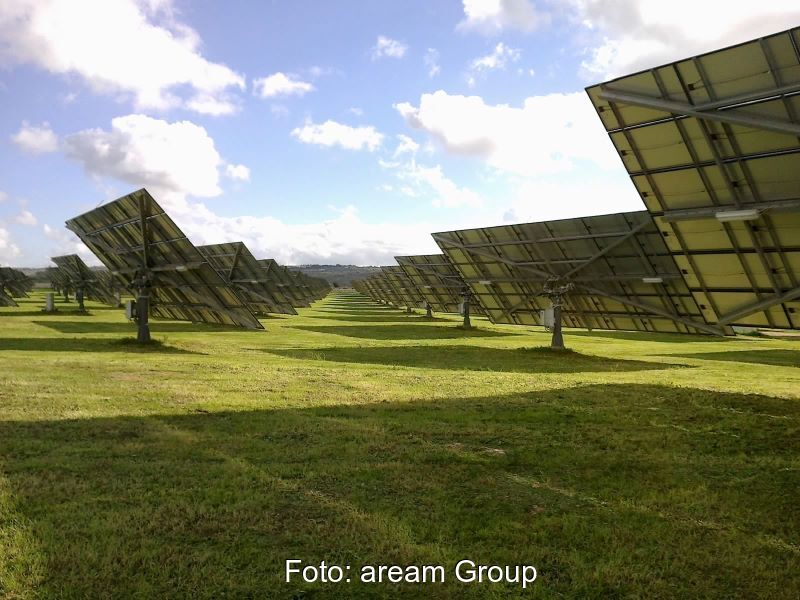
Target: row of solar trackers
x=147, y=254
x=712, y=146
x=13, y=284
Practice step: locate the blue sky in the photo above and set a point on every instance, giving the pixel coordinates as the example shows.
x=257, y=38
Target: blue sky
x=326, y=132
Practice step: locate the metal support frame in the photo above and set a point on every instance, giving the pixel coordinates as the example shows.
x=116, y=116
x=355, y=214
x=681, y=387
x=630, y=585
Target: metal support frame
x=712, y=112
x=761, y=304
x=598, y=292
x=686, y=214
x=466, y=294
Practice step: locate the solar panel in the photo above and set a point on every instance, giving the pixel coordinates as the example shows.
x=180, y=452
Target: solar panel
x=613, y=271
x=15, y=282
x=381, y=290
x=402, y=286
x=286, y=282
x=80, y=277
x=437, y=281
x=254, y=284
x=145, y=250
x=712, y=144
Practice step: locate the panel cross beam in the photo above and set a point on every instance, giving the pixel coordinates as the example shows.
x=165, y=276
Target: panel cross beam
x=709, y=114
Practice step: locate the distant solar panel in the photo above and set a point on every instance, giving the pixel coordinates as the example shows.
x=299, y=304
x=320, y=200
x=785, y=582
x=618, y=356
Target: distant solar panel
x=615, y=269
x=15, y=282
x=712, y=144
x=286, y=282
x=146, y=251
x=403, y=288
x=437, y=280
x=85, y=280
x=5, y=296
x=254, y=284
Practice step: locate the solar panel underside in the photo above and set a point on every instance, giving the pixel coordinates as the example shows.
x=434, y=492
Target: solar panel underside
x=622, y=273
x=403, y=287
x=437, y=280
x=709, y=135
x=79, y=274
x=254, y=284
x=15, y=282
x=133, y=234
x=382, y=290
x=285, y=282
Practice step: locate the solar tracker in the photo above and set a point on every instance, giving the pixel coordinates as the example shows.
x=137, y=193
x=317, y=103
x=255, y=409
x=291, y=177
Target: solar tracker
x=84, y=280
x=5, y=296
x=147, y=252
x=712, y=145
x=604, y=272
x=15, y=282
x=380, y=289
x=313, y=288
x=286, y=282
x=403, y=287
x=437, y=281
x=237, y=266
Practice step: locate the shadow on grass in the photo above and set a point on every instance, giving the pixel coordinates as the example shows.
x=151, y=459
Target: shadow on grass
x=211, y=505
x=475, y=358
x=155, y=327
x=647, y=336
x=88, y=345
x=776, y=357
x=404, y=332
x=401, y=317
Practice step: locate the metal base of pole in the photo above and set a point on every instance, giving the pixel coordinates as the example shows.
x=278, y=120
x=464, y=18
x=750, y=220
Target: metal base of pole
x=142, y=313
x=557, y=343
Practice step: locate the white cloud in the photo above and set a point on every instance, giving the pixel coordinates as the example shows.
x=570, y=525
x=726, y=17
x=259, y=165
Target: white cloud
x=346, y=239
x=35, y=139
x=547, y=134
x=387, y=47
x=3, y=196
x=430, y=183
x=492, y=16
x=635, y=34
x=431, y=61
x=26, y=217
x=8, y=249
x=548, y=198
x=330, y=133
x=127, y=47
x=406, y=145
x=173, y=159
x=498, y=59
x=354, y=110
x=280, y=84
x=63, y=241
x=237, y=172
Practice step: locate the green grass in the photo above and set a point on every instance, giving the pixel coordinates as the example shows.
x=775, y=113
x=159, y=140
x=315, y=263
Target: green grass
x=636, y=465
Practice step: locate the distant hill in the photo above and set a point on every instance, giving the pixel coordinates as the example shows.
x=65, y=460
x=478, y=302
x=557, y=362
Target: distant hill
x=341, y=275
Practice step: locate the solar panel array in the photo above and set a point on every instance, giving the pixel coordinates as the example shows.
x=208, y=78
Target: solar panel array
x=620, y=273
x=402, y=287
x=437, y=281
x=77, y=275
x=13, y=284
x=711, y=144
x=285, y=281
x=138, y=241
x=254, y=284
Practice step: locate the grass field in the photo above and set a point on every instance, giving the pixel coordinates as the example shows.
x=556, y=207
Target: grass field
x=634, y=466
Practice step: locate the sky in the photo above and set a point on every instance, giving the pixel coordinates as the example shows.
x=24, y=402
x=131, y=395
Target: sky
x=327, y=132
